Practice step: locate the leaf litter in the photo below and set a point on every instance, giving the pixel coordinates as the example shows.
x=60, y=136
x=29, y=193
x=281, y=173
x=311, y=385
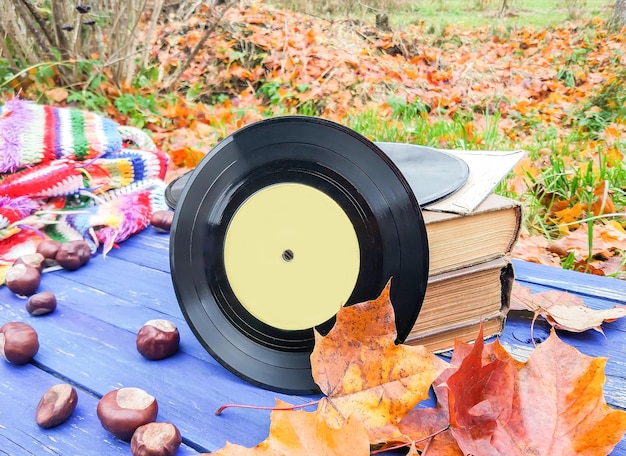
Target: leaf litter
x=488, y=403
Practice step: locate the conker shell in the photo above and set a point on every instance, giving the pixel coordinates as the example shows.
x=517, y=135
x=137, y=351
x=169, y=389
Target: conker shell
x=157, y=339
x=35, y=260
x=22, y=279
x=73, y=254
x=56, y=405
x=41, y=303
x=122, y=411
x=18, y=342
x=155, y=439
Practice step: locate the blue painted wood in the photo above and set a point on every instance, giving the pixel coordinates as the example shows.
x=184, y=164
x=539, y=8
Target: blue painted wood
x=90, y=339
x=21, y=388
x=578, y=282
x=100, y=357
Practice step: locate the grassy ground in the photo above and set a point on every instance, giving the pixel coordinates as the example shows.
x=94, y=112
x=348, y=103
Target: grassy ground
x=538, y=13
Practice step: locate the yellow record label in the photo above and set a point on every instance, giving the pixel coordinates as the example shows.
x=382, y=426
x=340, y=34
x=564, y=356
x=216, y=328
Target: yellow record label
x=291, y=256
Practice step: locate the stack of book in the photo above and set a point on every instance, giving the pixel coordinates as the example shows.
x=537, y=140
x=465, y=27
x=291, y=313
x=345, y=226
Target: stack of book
x=470, y=235
x=470, y=275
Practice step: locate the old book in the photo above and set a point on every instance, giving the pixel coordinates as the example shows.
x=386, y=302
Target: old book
x=459, y=240
x=438, y=340
x=457, y=300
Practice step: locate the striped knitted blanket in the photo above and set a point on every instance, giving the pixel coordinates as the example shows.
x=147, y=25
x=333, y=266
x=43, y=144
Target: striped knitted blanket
x=68, y=174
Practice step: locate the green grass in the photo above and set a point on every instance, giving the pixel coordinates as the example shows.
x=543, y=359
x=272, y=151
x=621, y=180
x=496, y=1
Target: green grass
x=562, y=176
x=466, y=13
x=413, y=128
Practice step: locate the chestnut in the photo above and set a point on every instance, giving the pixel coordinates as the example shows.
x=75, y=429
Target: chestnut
x=35, y=260
x=155, y=439
x=22, y=279
x=48, y=248
x=56, y=405
x=18, y=342
x=73, y=254
x=41, y=303
x=162, y=221
x=158, y=339
x=122, y=411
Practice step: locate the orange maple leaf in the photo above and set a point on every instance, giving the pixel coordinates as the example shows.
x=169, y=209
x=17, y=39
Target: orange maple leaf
x=365, y=375
x=296, y=433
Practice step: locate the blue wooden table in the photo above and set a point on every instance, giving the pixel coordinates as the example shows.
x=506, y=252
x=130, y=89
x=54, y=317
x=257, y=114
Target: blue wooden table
x=89, y=341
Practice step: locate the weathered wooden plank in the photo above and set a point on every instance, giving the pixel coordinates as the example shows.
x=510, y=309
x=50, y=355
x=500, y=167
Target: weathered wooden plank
x=610, y=344
x=100, y=357
x=148, y=248
x=119, y=278
x=557, y=278
x=21, y=387
x=128, y=314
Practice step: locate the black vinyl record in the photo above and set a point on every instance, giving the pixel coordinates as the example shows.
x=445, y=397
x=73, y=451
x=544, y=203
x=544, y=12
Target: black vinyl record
x=279, y=218
x=433, y=174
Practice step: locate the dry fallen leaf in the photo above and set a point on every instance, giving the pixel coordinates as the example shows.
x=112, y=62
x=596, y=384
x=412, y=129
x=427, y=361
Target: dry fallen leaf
x=429, y=428
x=563, y=310
x=607, y=241
x=559, y=406
x=58, y=94
x=365, y=375
x=295, y=433
x=479, y=398
x=471, y=369
x=551, y=405
x=534, y=249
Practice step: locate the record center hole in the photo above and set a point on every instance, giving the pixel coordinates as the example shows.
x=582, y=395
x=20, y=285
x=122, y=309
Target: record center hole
x=287, y=255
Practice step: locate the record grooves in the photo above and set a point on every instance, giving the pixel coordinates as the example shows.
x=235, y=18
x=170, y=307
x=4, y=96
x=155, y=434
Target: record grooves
x=341, y=183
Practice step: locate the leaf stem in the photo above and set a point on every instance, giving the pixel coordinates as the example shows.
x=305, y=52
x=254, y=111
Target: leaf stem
x=261, y=407
x=403, y=445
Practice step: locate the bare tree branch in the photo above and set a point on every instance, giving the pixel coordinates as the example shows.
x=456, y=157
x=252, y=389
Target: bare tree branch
x=33, y=29
x=156, y=12
x=40, y=22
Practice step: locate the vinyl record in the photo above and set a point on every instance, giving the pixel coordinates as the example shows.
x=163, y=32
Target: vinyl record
x=433, y=174
x=281, y=224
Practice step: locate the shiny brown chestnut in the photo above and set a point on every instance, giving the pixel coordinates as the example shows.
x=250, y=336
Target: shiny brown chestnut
x=19, y=342
x=48, y=248
x=162, y=221
x=56, y=405
x=158, y=339
x=41, y=303
x=73, y=254
x=155, y=439
x=122, y=411
x=22, y=279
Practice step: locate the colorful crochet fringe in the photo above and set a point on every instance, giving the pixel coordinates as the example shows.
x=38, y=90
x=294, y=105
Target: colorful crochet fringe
x=67, y=174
